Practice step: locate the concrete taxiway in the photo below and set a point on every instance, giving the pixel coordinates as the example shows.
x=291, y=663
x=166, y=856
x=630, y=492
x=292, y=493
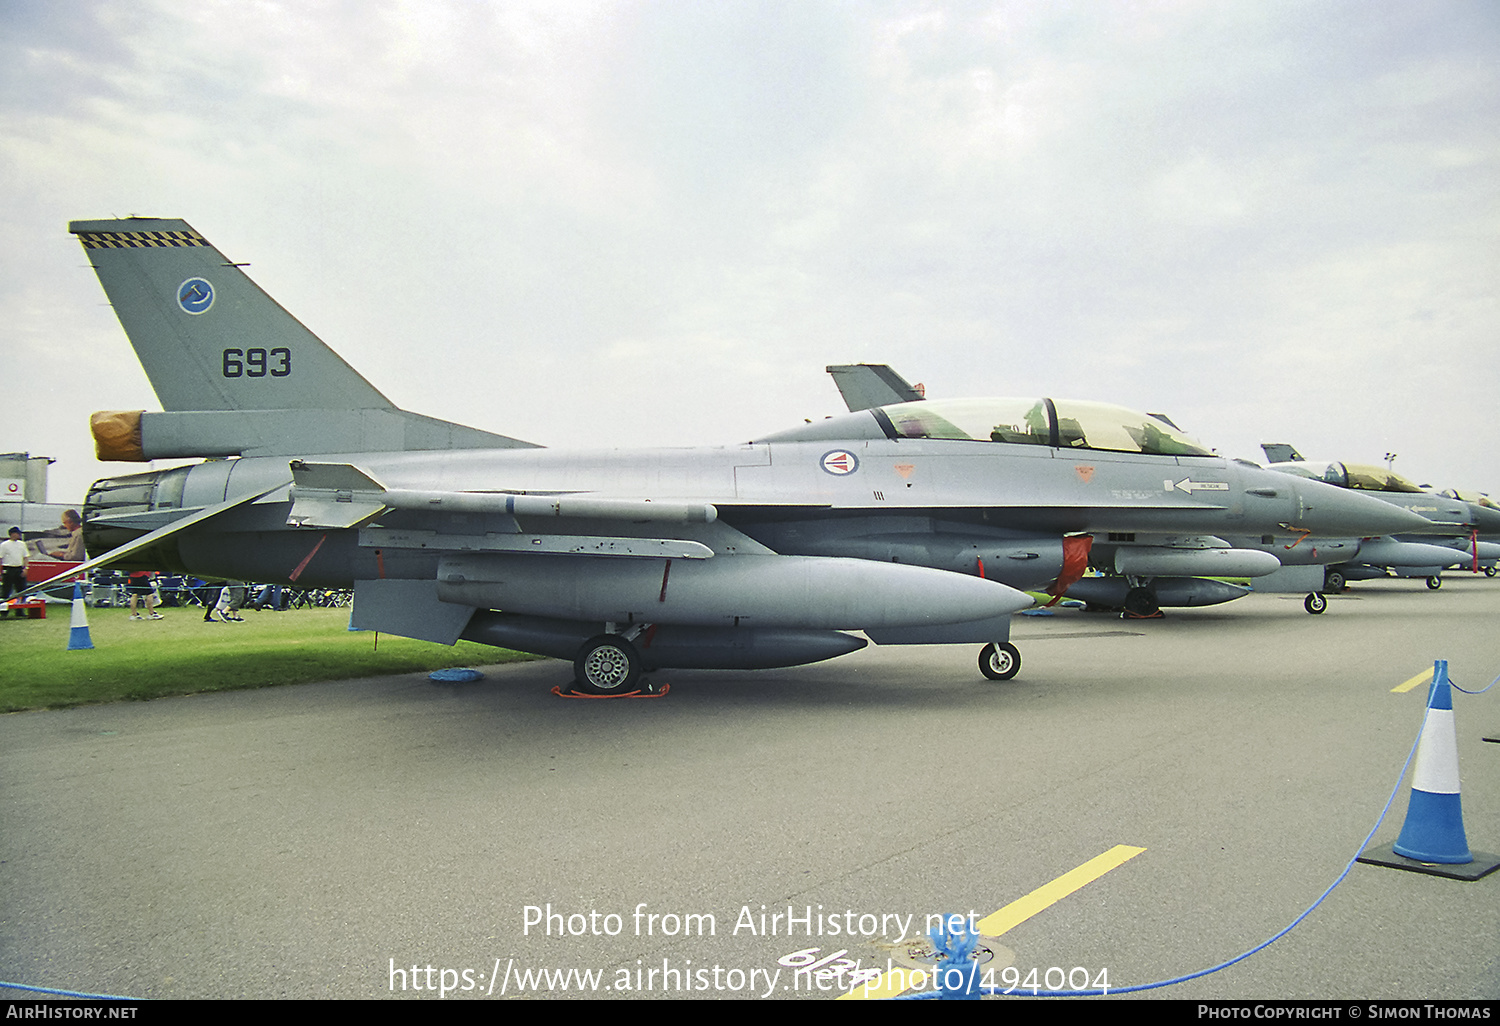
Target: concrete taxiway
x=393, y=837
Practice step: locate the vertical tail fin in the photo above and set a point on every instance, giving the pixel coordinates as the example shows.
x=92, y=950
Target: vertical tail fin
x=235, y=373
x=207, y=336
x=865, y=386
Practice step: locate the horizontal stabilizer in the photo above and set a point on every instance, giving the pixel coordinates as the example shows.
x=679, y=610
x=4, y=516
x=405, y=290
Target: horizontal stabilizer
x=236, y=373
x=145, y=541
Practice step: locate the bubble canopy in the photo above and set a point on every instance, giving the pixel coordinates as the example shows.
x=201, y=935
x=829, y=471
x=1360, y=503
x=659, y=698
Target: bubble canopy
x=1351, y=475
x=1060, y=423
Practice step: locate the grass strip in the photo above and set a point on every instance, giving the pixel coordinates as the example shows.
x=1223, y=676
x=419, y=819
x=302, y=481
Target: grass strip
x=183, y=655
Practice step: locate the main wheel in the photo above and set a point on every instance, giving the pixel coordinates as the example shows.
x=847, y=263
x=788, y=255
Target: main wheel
x=1434, y=582
x=1490, y=571
x=1000, y=661
x=607, y=665
x=1141, y=602
x=1315, y=603
x=1333, y=581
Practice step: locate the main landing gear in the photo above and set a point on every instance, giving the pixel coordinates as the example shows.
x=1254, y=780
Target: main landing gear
x=608, y=664
x=1141, y=603
x=999, y=660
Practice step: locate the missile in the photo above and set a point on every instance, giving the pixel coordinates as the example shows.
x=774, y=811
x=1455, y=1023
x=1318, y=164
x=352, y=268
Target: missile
x=1158, y=560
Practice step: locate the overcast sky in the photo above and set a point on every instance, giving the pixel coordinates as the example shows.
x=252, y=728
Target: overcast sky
x=654, y=223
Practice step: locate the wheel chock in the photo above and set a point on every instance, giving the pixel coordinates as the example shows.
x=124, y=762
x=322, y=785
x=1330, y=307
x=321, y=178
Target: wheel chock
x=644, y=691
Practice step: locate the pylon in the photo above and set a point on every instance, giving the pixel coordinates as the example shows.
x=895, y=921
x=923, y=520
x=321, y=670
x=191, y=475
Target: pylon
x=78, y=627
x=1432, y=839
x=1434, y=829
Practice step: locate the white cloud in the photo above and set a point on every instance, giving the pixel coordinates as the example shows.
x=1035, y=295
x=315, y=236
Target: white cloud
x=574, y=221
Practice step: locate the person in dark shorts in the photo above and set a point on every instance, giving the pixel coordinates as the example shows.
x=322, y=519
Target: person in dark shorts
x=142, y=584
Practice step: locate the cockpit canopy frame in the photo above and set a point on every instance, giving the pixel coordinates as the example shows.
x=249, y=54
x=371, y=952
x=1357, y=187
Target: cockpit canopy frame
x=1058, y=423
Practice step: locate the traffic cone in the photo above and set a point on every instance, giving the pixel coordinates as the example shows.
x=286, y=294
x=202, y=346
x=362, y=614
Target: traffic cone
x=78, y=628
x=1432, y=839
x=1434, y=830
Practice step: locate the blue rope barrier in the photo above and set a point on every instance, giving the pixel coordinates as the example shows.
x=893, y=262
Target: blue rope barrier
x=1136, y=988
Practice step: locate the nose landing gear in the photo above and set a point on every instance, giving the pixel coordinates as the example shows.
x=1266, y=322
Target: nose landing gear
x=999, y=661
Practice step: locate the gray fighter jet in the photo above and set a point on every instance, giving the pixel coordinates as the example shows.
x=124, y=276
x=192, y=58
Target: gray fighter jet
x=915, y=523
x=1481, y=549
x=1455, y=533
x=1139, y=587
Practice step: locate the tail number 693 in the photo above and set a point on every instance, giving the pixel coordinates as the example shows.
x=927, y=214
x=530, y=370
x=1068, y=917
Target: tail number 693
x=256, y=363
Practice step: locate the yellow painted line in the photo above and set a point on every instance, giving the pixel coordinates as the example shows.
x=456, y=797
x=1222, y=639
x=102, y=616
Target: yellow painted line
x=1022, y=909
x=1014, y=914
x=1425, y=677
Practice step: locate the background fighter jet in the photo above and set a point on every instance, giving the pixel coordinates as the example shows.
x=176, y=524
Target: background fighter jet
x=914, y=523
x=1481, y=550
x=1457, y=533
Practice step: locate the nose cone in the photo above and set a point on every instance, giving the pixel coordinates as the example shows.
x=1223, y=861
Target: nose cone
x=1341, y=512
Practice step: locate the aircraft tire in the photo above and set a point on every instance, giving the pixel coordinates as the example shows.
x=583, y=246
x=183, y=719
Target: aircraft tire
x=1490, y=571
x=607, y=664
x=1000, y=661
x=1434, y=582
x=1333, y=582
x=1315, y=603
x=1142, y=602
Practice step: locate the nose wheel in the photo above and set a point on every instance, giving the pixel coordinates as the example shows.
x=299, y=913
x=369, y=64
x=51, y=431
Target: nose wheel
x=1000, y=661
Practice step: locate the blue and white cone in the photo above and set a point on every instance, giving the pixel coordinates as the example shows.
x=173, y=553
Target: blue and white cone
x=78, y=628
x=1434, y=829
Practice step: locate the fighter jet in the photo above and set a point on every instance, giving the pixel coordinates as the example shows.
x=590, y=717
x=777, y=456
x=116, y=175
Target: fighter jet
x=1453, y=533
x=1141, y=573
x=1481, y=550
x=914, y=524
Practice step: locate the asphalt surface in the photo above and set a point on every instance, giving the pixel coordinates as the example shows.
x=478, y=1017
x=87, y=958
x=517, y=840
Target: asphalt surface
x=338, y=839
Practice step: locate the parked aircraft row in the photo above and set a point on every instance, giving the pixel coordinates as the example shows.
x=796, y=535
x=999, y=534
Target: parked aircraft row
x=915, y=521
x=1465, y=522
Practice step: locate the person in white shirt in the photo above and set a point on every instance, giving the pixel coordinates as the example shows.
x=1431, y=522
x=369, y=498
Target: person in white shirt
x=12, y=567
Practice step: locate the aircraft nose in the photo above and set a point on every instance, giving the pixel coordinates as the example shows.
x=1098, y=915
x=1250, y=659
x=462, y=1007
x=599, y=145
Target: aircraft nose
x=1342, y=512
